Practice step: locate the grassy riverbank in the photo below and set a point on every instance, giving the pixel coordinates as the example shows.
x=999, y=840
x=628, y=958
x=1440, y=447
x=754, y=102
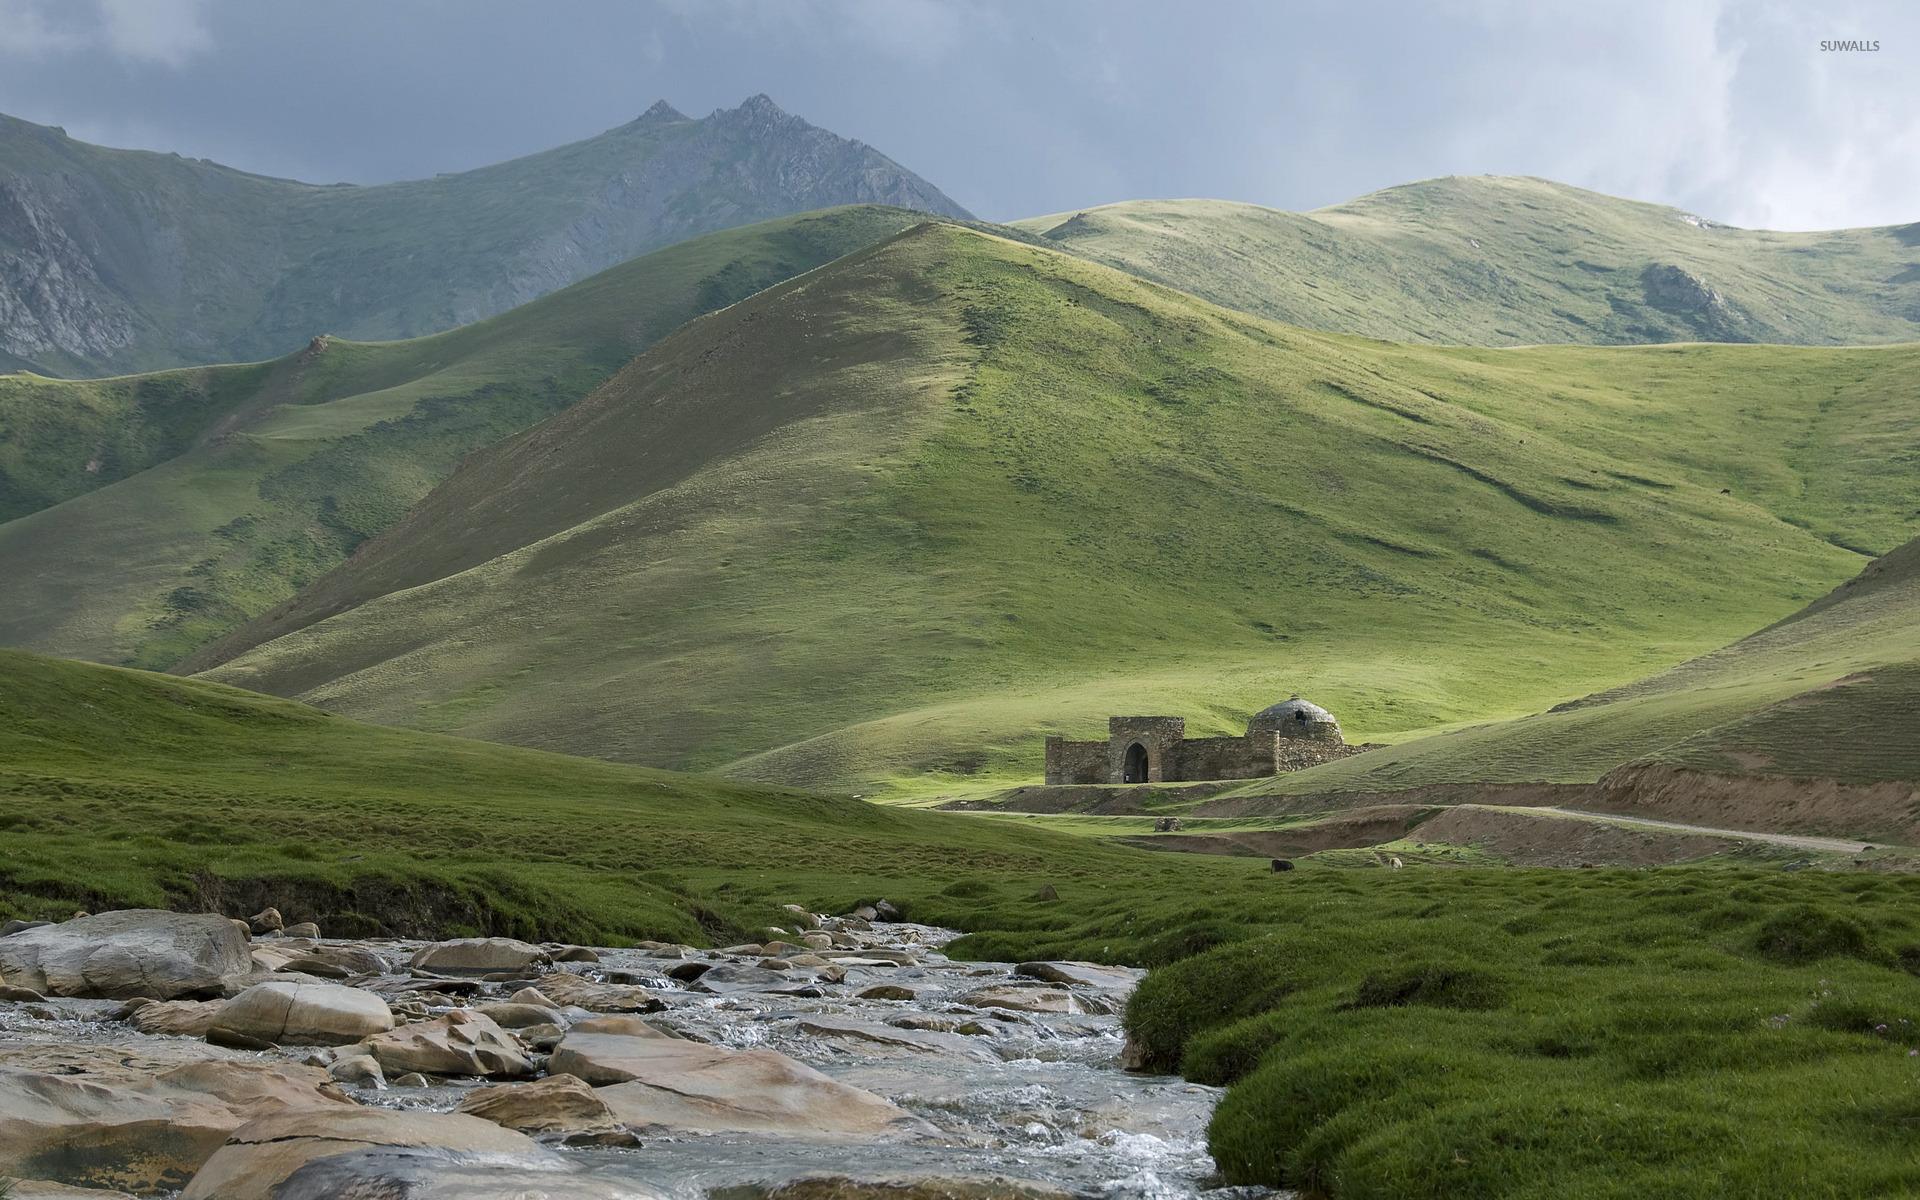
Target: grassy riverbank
x=1680, y=1033
x=1426, y=1032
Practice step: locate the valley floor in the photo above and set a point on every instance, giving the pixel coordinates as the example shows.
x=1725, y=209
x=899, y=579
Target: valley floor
x=1439, y=1030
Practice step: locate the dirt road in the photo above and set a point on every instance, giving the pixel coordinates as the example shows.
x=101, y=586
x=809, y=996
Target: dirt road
x=1797, y=841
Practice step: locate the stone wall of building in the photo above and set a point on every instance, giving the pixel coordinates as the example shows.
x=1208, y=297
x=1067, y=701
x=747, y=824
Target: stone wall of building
x=1159, y=736
x=1227, y=757
x=1297, y=754
x=1076, y=762
x=1173, y=757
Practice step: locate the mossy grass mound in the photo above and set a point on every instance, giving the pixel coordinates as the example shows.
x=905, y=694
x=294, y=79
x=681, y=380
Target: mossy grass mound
x=1691, y=1032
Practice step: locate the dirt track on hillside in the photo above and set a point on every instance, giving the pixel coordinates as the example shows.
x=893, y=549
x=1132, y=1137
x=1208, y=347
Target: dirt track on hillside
x=1817, y=808
x=1548, y=837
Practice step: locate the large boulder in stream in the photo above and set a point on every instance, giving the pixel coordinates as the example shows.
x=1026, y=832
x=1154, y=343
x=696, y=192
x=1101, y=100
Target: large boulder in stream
x=558, y=1104
x=479, y=956
x=595, y=996
x=42, y=1189
x=121, y=955
x=877, y=1038
x=461, y=1043
x=138, y=1117
x=700, y=1088
x=902, y=1187
x=262, y=1155
x=308, y=1014
x=421, y=1173
x=176, y=1018
x=1082, y=974
x=1015, y=998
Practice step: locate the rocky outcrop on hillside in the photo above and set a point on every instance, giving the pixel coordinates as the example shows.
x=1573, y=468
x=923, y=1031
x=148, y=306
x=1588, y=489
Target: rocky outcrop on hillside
x=52, y=300
x=1683, y=294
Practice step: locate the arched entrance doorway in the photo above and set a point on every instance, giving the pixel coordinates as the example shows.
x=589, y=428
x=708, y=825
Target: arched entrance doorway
x=1135, y=767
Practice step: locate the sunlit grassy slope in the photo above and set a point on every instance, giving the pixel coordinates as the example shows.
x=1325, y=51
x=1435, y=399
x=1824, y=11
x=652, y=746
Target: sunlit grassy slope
x=1502, y=261
x=123, y=787
x=153, y=512
x=885, y=525
x=1831, y=693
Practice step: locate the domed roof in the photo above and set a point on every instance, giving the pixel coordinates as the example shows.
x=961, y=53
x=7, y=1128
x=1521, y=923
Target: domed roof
x=1292, y=710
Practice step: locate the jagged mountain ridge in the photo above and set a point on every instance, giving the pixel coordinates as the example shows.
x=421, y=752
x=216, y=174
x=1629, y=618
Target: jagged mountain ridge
x=118, y=260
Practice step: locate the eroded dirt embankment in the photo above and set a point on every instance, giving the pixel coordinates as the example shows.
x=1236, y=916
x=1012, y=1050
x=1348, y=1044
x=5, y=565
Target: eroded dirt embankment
x=1883, y=812
x=1361, y=827
x=1532, y=838
x=1528, y=795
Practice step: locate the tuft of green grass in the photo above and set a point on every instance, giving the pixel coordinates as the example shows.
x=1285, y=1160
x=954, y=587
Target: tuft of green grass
x=1805, y=933
x=1439, y=985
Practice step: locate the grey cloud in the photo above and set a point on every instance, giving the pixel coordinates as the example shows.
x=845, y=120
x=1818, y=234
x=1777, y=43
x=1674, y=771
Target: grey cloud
x=1723, y=107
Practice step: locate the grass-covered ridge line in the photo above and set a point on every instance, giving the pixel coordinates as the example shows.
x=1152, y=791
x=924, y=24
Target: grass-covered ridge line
x=885, y=526
x=196, y=499
x=1506, y=1033
x=1489, y=261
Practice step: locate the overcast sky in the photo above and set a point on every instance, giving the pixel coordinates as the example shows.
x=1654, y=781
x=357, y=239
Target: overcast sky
x=1728, y=108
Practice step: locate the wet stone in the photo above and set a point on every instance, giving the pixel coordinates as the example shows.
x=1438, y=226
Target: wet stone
x=778, y=1081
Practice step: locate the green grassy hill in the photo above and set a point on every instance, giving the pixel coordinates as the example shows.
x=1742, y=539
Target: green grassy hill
x=122, y=788
x=126, y=260
x=1831, y=693
x=1500, y=261
x=150, y=513
x=885, y=525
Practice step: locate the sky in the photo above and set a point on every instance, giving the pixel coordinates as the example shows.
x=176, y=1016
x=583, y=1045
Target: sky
x=1726, y=108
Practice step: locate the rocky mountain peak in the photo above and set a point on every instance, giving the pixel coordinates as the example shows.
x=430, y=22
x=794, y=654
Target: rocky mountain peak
x=660, y=113
x=756, y=111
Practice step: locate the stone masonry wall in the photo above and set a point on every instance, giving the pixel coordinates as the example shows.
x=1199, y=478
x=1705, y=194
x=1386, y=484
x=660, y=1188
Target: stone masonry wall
x=1297, y=754
x=1226, y=757
x=1161, y=736
x=1076, y=762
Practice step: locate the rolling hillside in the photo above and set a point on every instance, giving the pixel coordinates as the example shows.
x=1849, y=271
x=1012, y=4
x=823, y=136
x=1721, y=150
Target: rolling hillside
x=122, y=788
x=151, y=513
x=1489, y=261
x=1827, y=700
x=119, y=260
x=885, y=525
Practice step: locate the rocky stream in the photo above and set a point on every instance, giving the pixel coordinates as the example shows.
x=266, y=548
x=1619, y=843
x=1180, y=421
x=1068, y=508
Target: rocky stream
x=163, y=1054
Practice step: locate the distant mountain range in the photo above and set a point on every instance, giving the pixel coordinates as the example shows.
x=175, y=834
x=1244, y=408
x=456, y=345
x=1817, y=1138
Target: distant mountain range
x=122, y=260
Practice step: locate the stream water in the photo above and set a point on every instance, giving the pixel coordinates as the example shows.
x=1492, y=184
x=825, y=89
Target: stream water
x=1036, y=1097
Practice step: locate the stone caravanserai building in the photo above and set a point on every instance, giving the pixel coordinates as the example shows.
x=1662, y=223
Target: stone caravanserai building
x=1288, y=736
